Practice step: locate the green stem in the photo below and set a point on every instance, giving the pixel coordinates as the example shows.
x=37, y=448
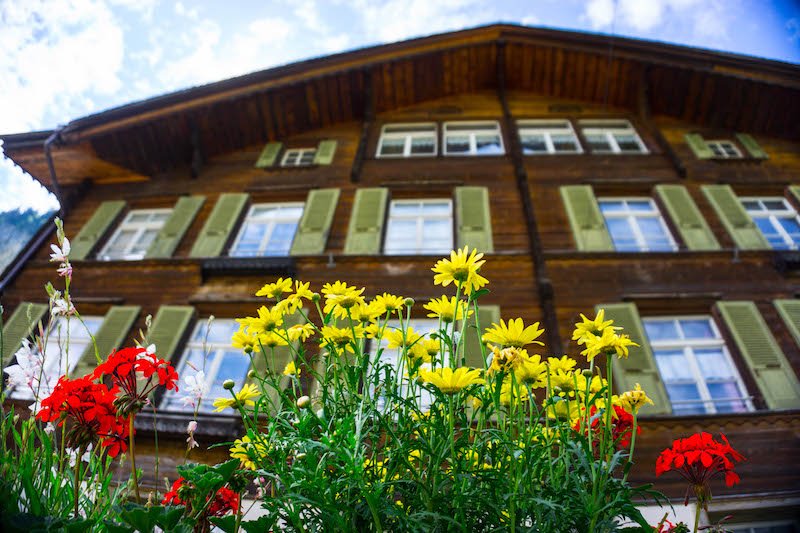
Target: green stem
x=133, y=460
x=697, y=516
x=76, y=484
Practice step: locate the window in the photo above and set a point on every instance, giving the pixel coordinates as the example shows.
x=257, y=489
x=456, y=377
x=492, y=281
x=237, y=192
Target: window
x=268, y=230
x=636, y=225
x=695, y=366
x=612, y=137
x=298, y=157
x=473, y=138
x=57, y=359
x=548, y=137
x=776, y=219
x=408, y=140
x=391, y=357
x=135, y=235
x=209, y=350
x=419, y=227
x=779, y=526
x=724, y=149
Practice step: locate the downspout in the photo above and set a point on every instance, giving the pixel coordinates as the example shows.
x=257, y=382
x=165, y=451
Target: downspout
x=50, y=165
x=543, y=283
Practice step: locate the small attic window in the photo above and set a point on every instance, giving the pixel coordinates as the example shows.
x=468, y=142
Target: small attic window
x=724, y=149
x=298, y=157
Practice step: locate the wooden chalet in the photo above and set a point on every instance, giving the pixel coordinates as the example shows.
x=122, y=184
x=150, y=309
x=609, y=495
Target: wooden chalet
x=659, y=182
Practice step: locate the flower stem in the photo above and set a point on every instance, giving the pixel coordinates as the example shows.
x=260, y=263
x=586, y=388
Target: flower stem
x=697, y=516
x=133, y=460
x=76, y=484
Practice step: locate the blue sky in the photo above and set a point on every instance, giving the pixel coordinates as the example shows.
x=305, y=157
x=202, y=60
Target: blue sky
x=64, y=59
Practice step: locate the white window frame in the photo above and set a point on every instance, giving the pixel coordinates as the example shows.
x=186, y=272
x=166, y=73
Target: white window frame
x=723, y=149
x=293, y=157
x=750, y=527
x=481, y=127
x=774, y=215
x=631, y=217
x=420, y=220
x=547, y=128
x=609, y=129
x=54, y=362
x=139, y=228
x=688, y=346
x=427, y=130
x=214, y=355
x=270, y=220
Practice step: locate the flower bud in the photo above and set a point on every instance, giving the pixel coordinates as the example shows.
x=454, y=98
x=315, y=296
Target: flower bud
x=228, y=384
x=315, y=297
x=303, y=402
x=587, y=373
x=320, y=414
x=556, y=390
x=251, y=374
x=408, y=302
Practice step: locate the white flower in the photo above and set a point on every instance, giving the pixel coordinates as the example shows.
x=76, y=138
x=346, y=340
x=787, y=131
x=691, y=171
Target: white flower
x=64, y=270
x=190, y=429
x=28, y=374
x=72, y=454
x=195, y=388
x=60, y=255
x=151, y=349
x=62, y=307
x=49, y=428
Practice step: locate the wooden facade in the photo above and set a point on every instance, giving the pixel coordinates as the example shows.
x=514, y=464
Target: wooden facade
x=204, y=142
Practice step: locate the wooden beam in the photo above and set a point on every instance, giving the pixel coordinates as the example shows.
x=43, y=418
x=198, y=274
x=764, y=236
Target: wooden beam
x=366, y=128
x=643, y=110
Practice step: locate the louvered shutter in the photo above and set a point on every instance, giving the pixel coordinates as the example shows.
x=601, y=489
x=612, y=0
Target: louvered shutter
x=325, y=151
x=698, y=146
x=94, y=229
x=737, y=222
x=752, y=147
x=473, y=219
x=773, y=374
x=585, y=218
x=214, y=235
x=168, y=328
x=273, y=361
x=790, y=313
x=175, y=227
x=687, y=218
x=640, y=366
x=312, y=232
x=472, y=353
x=111, y=336
x=19, y=326
x=268, y=155
x=366, y=222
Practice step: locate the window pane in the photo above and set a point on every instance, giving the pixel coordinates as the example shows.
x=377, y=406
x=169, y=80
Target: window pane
x=488, y=144
x=792, y=227
x=607, y=206
x=423, y=145
x=774, y=205
x=393, y=146
x=120, y=242
x=658, y=330
x=682, y=393
x=697, y=329
x=752, y=205
x=457, y=144
x=437, y=235
x=640, y=205
x=622, y=234
x=627, y=143
x=533, y=144
x=598, y=143
x=654, y=234
x=564, y=143
x=145, y=240
x=673, y=366
x=436, y=208
x=713, y=363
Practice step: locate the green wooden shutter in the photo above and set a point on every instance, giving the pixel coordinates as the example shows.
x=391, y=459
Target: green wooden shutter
x=772, y=372
x=175, y=227
x=730, y=211
x=790, y=312
x=585, y=218
x=325, y=152
x=473, y=355
x=640, y=366
x=366, y=222
x=168, y=329
x=312, y=232
x=275, y=360
x=268, y=155
x=220, y=223
x=473, y=219
x=95, y=227
x=111, y=335
x=19, y=326
x=794, y=190
x=690, y=223
x=698, y=146
x=751, y=146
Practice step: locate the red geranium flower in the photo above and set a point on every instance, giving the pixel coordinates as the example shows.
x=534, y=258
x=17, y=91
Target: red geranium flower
x=225, y=500
x=621, y=426
x=90, y=408
x=698, y=459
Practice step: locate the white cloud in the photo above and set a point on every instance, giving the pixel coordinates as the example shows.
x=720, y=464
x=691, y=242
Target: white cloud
x=600, y=13
x=20, y=190
x=530, y=20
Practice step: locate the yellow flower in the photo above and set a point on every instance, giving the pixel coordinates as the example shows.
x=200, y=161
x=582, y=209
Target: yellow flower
x=267, y=320
x=248, y=452
x=451, y=381
x=366, y=312
x=532, y=371
x=565, y=363
x=389, y=303
x=462, y=269
x=291, y=369
x=513, y=334
x=431, y=347
x=446, y=309
x=565, y=381
x=587, y=329
x=339, y=297
x=635, y=399
x=275, y=290
x=511, y=392
x=340, y=337
x=596, y=384
x=300, y=332
x=609, y=343
x=397, y=339
x=563, y=409
x=243, y=340
x=273, y=339
x=244, y=398
x=417, y=353
x=506, y=359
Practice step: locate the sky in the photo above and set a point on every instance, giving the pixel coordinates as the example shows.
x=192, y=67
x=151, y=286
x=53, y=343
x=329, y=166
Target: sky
x=64, y=59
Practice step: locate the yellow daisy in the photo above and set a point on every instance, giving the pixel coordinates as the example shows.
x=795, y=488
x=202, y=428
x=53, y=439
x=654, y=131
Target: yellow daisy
x=275, y=290
x=446, y=309
x=462, y=269
x=451, y=381
x=244, y=398
x=513, y=333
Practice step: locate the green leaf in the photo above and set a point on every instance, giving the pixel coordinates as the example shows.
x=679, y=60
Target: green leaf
x=144, y=519
x=225, y=523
